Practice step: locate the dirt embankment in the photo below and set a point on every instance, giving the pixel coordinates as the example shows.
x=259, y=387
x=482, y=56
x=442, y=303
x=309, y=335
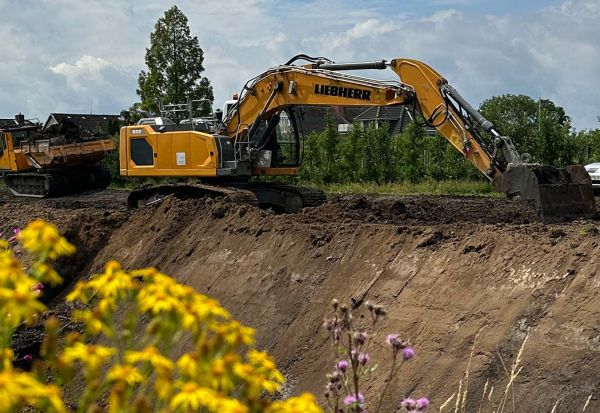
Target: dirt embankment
x=444, y=268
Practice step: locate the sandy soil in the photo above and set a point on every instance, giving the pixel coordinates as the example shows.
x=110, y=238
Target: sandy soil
x=445, y=268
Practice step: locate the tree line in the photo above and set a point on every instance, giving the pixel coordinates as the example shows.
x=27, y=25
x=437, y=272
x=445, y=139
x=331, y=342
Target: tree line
x=369, y=153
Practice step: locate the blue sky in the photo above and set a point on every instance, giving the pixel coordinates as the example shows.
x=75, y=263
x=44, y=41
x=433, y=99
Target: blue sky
x=87, y=53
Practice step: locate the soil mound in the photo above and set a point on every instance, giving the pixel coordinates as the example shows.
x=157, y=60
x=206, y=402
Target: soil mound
x=445, y=268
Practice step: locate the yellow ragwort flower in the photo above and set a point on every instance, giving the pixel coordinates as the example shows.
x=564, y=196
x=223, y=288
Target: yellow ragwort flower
x=192, y=397
x=11, y=271
x=22, y=389
x=90, y=355
x=234, y=333
x=80, y=292
x=95, y=322
x=124, y=373
x=113, y=283
x=42, y=238
x=155, y=299
x=188, y=365
x=19, y=304
x=45, y=273
x=305, y=403
x=150, y=355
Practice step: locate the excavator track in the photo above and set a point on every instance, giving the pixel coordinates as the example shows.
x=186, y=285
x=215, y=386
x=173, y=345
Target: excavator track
x=286, y=198
x=281, y=198
x=154, y=194
x=57, y=183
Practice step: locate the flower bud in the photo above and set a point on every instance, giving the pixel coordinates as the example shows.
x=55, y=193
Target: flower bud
x=360, y=337
x=328, y=324
x=337, y=334
x=363, y=358
x=379, y=310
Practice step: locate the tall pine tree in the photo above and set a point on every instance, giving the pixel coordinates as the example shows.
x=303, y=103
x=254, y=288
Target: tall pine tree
x=174, y=62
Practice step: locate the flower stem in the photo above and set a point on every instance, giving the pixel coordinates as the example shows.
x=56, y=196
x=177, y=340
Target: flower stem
x=387, y=382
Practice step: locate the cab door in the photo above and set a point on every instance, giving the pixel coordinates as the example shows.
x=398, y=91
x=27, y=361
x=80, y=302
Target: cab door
x=5, y=151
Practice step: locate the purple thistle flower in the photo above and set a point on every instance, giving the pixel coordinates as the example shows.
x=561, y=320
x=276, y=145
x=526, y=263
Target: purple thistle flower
x=415, y=406
x=352, y=399
x=409, y=404
x=422, y=404
x=343, y=365
x=408, y=353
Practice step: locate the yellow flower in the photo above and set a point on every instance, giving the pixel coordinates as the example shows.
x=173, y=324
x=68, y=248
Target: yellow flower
x=188, y=365
x=11, y=271
x=305, y=403
x=6, y=358
x=234, y=333
x=114, y=283
x=150, y=355
x=124, y=373
x=91, y=356
x=45, y=273
x=260, y=374
x=22, y=389
x=19, y=304
x=261, y=360
x=231, y=406
x=79, y=292
x=192, y=397
x=163, y=387
x=43, y=238
x=155, y=299
x=94, y=322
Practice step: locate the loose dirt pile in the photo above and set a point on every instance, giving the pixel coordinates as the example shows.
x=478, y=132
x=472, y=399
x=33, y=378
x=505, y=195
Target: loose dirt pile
x=445, y=268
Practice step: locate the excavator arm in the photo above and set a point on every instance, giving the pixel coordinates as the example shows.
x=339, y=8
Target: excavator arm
x=555, y=193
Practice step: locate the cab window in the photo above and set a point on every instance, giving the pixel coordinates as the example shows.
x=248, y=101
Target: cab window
x=2, y=143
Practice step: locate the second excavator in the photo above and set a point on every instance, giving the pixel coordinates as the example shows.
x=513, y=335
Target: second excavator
x=258, y=135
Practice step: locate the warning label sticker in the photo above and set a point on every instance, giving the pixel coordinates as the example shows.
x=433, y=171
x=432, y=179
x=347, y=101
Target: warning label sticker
x=180, y=158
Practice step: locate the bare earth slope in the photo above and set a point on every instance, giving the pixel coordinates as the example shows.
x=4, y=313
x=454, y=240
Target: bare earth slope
x=445, y=267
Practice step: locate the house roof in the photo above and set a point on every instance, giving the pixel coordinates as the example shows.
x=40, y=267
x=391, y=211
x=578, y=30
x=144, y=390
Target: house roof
x=11, y=123
x=91, y=123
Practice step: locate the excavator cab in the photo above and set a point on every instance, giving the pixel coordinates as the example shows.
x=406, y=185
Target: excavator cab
x=279, y=142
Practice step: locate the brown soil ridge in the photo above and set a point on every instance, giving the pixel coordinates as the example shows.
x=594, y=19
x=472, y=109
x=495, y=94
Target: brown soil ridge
x=445, y=267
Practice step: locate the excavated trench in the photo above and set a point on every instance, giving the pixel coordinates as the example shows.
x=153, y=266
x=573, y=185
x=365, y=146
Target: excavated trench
x=445, y=268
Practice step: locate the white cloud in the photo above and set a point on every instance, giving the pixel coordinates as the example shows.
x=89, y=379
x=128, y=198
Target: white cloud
x=82, y=50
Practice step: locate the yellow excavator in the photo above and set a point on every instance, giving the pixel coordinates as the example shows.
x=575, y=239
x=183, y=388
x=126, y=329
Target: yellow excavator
x=258, y=135
x=31, y=165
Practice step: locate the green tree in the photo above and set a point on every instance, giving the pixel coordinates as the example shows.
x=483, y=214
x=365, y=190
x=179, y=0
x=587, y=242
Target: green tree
x=174, y=65
x=410, y=152
x=538, y=127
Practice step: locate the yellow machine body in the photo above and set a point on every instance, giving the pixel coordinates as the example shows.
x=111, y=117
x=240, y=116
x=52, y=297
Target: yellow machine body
x=11, y=159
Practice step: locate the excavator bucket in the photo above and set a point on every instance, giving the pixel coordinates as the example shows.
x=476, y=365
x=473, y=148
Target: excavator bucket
x=557, y=194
